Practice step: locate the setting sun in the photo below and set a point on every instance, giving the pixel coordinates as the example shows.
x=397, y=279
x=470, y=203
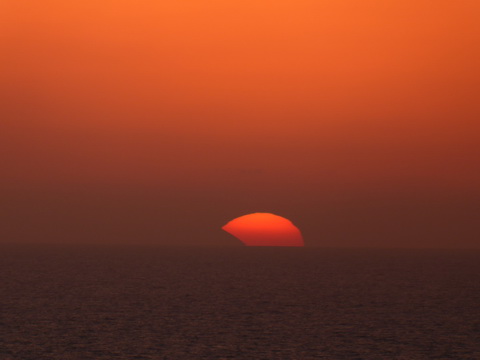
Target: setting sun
x=264, y=229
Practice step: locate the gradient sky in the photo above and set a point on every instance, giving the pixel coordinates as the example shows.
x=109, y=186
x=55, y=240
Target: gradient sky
x=128, y=121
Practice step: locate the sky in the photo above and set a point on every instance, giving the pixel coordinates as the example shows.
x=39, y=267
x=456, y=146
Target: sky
x=157, y=122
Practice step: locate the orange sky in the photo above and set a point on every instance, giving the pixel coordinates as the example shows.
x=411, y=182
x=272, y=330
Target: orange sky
x=270, y=104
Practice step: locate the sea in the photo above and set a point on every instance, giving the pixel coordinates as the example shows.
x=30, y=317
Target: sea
x=86, y=303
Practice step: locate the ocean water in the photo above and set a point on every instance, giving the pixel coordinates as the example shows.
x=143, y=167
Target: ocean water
x=238, y=303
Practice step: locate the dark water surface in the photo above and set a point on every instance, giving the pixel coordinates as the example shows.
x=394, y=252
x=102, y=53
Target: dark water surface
x=241, y=303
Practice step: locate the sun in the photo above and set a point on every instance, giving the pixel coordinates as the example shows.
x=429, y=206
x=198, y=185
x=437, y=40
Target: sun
x=264, y=229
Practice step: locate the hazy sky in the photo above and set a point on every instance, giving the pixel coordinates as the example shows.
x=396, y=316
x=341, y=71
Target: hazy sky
x=159, y=121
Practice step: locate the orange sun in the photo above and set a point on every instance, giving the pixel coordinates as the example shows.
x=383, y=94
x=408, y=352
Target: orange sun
x=264, y=229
